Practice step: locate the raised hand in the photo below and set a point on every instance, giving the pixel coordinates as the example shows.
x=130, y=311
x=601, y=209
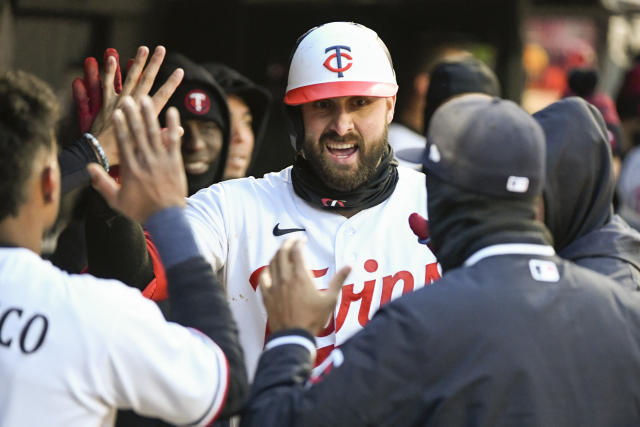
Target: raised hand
x=290, y=295
x=97, y=99
x=151, y=172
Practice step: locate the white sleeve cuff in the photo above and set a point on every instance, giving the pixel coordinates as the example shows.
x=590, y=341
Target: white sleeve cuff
x=293, y=339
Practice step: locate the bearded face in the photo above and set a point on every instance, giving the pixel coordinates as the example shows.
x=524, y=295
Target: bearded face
x=331, y=147
x=346, y=138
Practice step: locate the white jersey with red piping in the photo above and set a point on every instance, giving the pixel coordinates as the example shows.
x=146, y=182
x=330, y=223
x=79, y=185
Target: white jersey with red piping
x=74, y=349
x=240, y=224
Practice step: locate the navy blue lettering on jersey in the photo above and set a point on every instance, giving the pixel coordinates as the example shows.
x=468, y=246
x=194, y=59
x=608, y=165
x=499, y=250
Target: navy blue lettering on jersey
x=26, y=333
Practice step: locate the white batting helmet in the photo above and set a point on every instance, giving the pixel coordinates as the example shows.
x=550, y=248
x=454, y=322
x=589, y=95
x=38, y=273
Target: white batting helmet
x=339, y=59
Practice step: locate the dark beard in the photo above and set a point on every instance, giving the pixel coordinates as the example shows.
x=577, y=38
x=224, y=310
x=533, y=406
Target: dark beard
x=342, y=177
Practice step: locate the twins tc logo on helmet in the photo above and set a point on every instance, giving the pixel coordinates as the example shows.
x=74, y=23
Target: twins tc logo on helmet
x=197, y=101
x=338, y=55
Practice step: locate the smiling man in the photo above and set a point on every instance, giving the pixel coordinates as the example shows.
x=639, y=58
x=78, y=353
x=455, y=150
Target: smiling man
x=335, y=134
x=344, y=193
x=249, y=111
x=206, y=122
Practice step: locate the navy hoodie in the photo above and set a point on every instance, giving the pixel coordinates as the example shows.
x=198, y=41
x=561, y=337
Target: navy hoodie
x=579, y=192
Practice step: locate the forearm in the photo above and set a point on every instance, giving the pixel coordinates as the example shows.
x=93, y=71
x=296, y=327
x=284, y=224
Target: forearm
x=75, y=181
x=73, y=161
x=197, y=299
x=362, y=383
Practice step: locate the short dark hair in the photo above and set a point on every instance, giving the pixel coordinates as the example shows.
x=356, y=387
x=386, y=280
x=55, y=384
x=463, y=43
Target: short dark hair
x=28, y=115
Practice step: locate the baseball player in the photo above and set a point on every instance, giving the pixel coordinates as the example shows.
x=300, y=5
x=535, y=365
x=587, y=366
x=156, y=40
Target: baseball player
x=344, y=194
x=512, y=335
x=74, y=348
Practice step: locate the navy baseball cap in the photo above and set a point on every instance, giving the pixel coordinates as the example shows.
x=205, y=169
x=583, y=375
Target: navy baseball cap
x=487, y=146
x=455, y=77
x=451, y=78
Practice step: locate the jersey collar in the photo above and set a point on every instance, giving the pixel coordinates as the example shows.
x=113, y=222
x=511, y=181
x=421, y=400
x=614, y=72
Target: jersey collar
x=509, y=249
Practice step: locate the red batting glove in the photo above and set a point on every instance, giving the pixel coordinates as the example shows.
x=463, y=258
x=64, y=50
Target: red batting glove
x=81, y=99
x=94, y=86
x=87, y=94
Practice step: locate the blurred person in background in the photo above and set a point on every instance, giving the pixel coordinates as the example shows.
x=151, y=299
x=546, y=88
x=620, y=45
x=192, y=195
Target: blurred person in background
x=249, y=111
x=628, y=189
x=406, y=132
x=628, y=104
x=583, y=82
x=449, y=78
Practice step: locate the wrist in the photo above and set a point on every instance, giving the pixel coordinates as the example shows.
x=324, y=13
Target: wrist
x=295, y=336
x=172, y=235
x=98, y=150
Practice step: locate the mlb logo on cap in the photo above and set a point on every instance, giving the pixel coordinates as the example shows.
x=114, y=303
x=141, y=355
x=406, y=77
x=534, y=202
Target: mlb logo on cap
x=518, y=184
x=197, y=101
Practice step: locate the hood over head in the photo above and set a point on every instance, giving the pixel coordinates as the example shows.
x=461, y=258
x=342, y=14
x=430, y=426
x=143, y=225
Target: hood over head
x=198, y=97
x=579, y=186
x=257, y=98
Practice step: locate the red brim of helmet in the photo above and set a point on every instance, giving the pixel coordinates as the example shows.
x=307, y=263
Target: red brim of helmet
x=311, y=93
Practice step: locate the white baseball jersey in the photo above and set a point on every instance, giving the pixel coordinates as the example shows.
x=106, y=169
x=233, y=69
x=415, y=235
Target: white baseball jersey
x=240, y=224
x=74, y=348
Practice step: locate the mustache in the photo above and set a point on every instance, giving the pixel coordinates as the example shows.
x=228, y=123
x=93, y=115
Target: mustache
x=333, y=136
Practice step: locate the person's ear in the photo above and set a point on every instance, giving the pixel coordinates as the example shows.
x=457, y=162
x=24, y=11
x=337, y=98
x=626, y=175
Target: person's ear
x=50, y=184
x=391, y=105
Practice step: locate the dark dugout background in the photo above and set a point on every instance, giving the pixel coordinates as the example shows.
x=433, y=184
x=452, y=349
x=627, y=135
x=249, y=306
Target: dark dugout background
x=50, y=38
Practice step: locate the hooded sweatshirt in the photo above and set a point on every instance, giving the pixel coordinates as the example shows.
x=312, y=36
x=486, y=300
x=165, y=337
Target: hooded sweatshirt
x=579, y=192
x=213, y=107
x=257, y=98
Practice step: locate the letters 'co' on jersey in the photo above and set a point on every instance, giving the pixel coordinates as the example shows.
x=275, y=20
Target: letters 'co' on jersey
x=240, y=224
x=73, y=348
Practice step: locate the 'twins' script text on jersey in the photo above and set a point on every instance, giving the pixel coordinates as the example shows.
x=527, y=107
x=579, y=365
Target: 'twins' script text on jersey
x=360, y=302
x=232, y=220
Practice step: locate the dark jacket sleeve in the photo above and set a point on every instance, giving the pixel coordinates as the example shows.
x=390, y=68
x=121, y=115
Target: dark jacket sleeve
x=73, y=161
x=116, y=245
x=197, y=299
x=70, y=254
x=370, y=380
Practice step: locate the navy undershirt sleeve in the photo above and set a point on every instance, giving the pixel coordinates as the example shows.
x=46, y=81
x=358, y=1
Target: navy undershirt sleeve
x=197, y=299
x=172, y=236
